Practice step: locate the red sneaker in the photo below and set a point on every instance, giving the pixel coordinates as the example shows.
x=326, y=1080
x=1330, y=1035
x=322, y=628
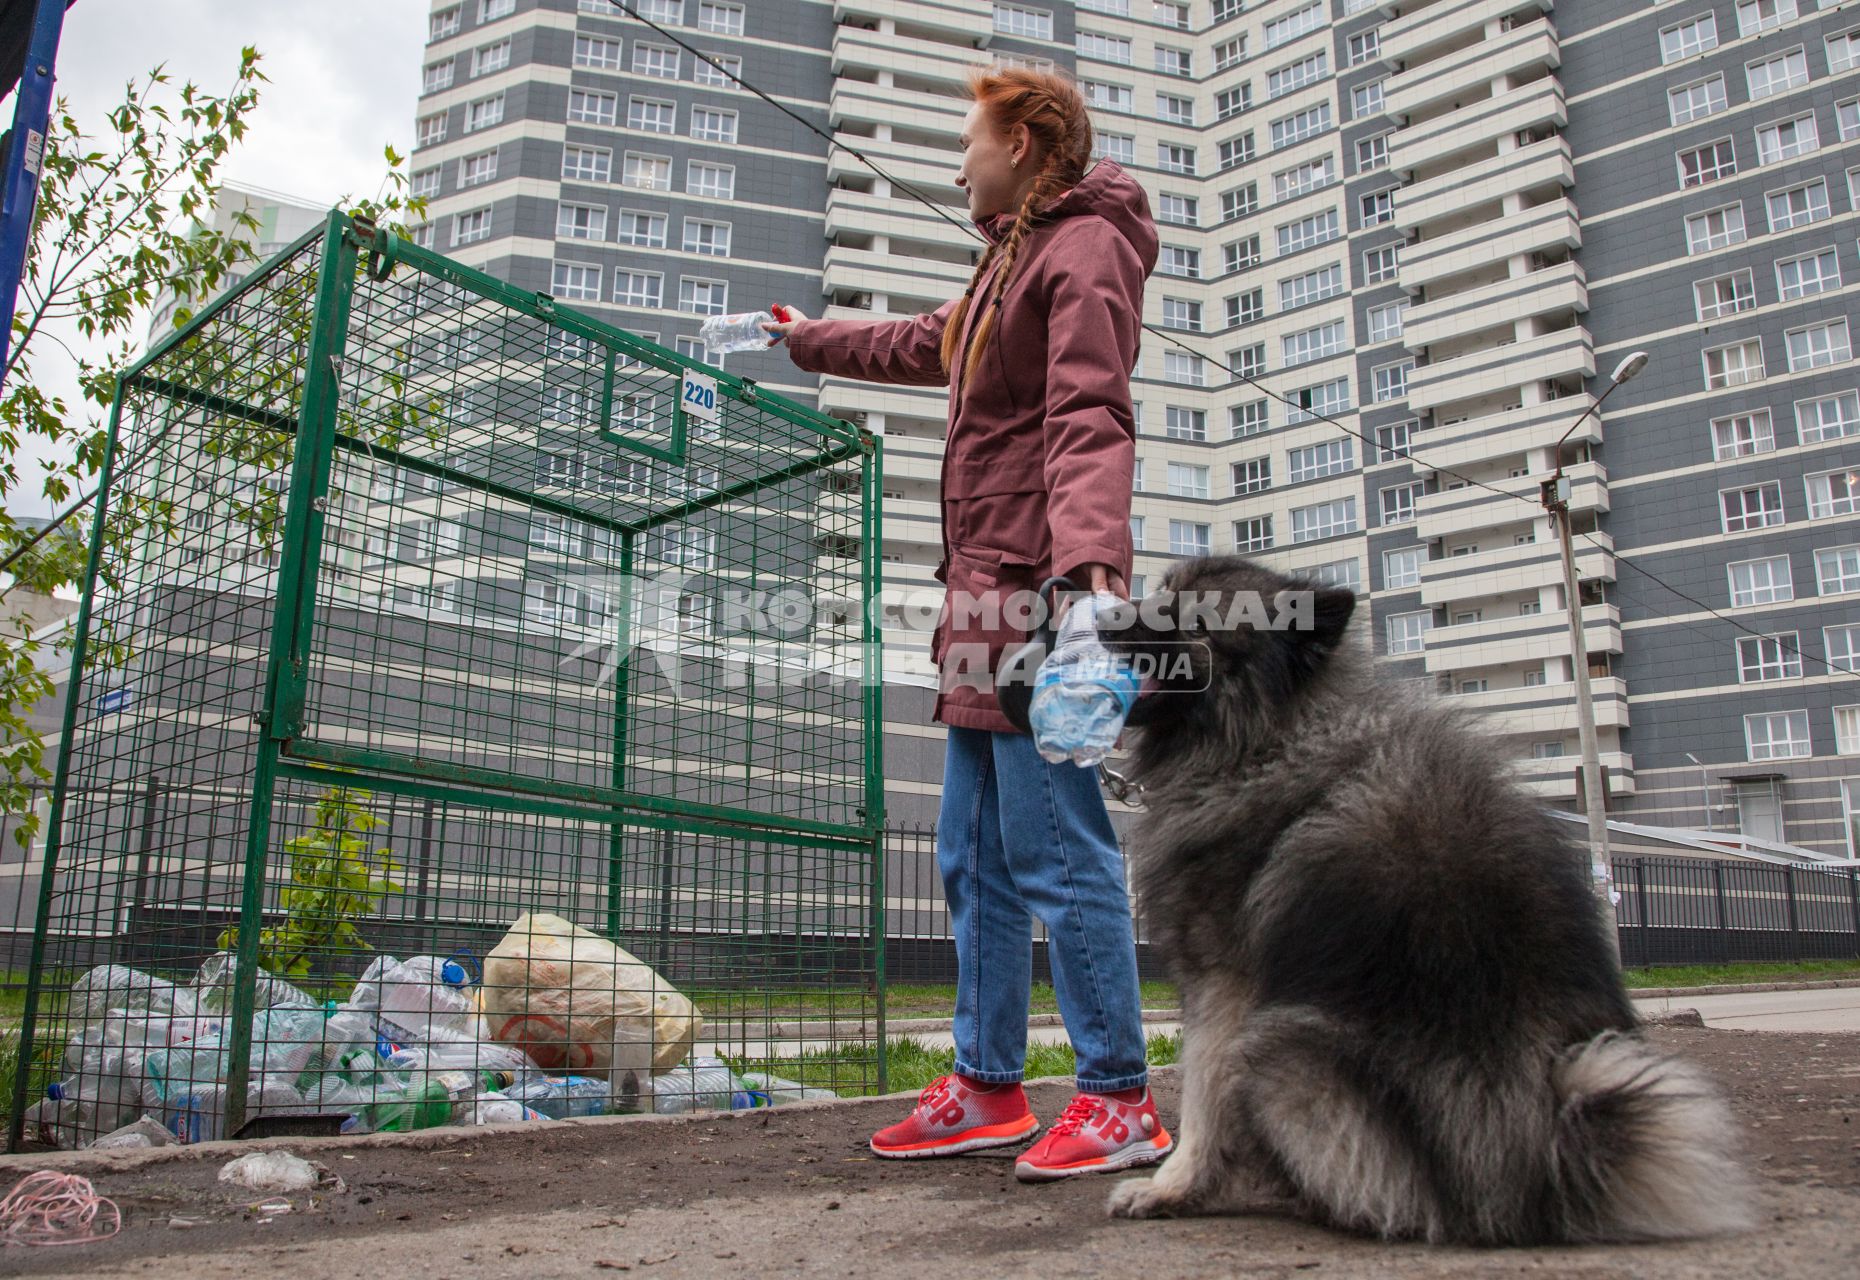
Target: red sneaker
x=1097, y=1134
x=955, y=1114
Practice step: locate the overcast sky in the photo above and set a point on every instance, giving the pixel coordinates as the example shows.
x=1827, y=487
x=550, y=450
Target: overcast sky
x=344, y=78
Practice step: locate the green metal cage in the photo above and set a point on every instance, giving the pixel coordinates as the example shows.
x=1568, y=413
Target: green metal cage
x=416, y=602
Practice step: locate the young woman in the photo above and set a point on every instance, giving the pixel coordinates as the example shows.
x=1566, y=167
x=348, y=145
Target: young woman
x=1037, y=354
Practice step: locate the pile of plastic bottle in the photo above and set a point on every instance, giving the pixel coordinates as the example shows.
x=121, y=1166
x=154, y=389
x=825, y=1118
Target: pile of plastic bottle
x=407, y=1050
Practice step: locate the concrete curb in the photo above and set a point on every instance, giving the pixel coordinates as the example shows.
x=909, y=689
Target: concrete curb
x=1744, y=989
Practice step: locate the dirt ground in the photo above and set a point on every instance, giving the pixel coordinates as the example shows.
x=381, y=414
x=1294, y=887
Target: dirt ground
x=794, y=1192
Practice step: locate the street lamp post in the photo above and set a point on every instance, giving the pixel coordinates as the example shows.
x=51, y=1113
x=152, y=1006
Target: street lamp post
x=1556, y=494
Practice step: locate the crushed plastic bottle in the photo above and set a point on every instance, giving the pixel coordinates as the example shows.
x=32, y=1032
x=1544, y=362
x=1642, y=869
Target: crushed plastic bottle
x=426, y=1106
x=214, y=986
x=199, y=1114
x=129, y=994
x=703, y=1083
x=723, y=335
x=426, y=999
x=778, y=1090
x=560, y=1097
x=1083, y=691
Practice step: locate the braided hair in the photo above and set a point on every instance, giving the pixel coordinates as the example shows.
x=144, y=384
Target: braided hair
x=1054, y=111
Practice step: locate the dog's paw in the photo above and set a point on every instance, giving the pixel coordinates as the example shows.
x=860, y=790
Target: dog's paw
x=1142, y=1198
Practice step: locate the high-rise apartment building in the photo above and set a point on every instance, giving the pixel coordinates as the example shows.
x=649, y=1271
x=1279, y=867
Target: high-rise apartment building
x=1403, y=246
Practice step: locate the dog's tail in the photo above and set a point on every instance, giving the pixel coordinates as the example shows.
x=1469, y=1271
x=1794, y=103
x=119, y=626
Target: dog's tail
x=1643, y=1147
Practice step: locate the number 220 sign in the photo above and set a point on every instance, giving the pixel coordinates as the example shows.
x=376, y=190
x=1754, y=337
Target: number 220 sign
x=699, y=396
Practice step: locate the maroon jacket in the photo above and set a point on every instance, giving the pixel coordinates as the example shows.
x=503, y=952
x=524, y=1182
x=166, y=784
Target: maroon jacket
x=1042, y=443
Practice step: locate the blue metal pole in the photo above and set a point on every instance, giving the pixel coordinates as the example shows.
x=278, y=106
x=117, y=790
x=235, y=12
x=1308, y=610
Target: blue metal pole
x=32, y=111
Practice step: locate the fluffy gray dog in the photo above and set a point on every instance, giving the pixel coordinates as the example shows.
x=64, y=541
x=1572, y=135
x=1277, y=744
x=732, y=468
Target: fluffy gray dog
x=1400, y=1011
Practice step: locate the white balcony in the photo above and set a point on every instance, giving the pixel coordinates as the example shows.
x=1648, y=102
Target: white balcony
x=1509, y=570
x=1478, y=125
x=1425, y=27
x=856, y=102
x=1546, y=710
x=966, y=21
x=1424, y=83
x=1486, y=181
x=859, y=49
x=1510, y=434
x=1510, y=642
x=1553, y=224
x=1455, y=511
x=1563, y=354
x=931, y=170
x=1554, y=290
x=868, y=270
x=1556, y=777
x=859, y=213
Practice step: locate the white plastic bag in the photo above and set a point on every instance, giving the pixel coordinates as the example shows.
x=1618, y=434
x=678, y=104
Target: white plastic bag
x=573, y=1001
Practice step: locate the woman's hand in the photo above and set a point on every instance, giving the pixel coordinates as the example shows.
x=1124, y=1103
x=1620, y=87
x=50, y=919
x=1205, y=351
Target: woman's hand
x=786, y=321
x=1102, y=577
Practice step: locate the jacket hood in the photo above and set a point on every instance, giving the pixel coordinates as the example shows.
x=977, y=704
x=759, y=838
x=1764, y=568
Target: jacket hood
x=1109, y=192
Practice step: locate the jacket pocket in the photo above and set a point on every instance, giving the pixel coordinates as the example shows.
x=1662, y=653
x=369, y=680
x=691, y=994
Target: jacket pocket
x=989, y=605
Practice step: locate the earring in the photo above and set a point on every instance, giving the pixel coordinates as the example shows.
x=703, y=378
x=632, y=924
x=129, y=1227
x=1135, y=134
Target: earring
x=1013, y=164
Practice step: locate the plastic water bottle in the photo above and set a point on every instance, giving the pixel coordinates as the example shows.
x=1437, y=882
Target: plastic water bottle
x=425, y=1107
x=426, y=999
x=1083, y=691
x=559, y=1097
x=115, y=989
x=778, y=1090
x=723, y=335
x=703, y=1084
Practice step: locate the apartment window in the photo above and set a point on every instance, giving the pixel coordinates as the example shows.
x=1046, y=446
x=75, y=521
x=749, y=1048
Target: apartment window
x=431, y=129
x=1365, y=46
x=657, y=60
x=1181, y=423
x=639, y=289
x=1292, y=25
x=1229, y=103
x=1832, y=493
x=1398, y=503
x=1254, y=534
x=1324, y=400
x=1248, y=419
x=1797, y=206
x=1237, y=255
x=442, y=24
x=1775, y=75
x=1181, y=313
x=424, y=185
x=1392, y=440
x=1136, y=531
x=1848, y=116
x=1844, y=51
x=1176, y=260
x=593, y=51
x=1837, y=570
x=1407, y=632
x=719, y=70
x=578, y=281
x=1380, y=265
x=1239, y=201
x=1546, y=750
x=1696, y=101
x=1187, y=538
x=1776, y=657
x=1296, y=181
x=1252, y=476
x=1313, y=344
x=1347, y=574
x=1843, y=645
x=1385, y=321
x=1403, y=568
x=1733, y=365
x=649, y=115
x=1764, y=581
x=1776, y=735
x=1298, y=127
x=1366, y=99
x=587, y=164
x=648, y=173
x=1104, y=48
x=1174, y=62
x=727, y=19
x=1828, y=417
x=1372, y=153
x=1708, y=163
x=1685, y=39
x=581, y=221
x=1186, y=481
x=1248, y=362
x=1808, y=274
x=1115, y=146
x=1757, y=507
x=1786, y=139
x=1818, y=345
x=715, y=180
x=1715, y=229
x=1741, y=435
x=706, y=237
x=1171, y=158
x=1234, y=152
x=1332, y=457
x=1296, y=75
x=492, y=10
x=468, y=228
x=1170, y=15
x=1109, y=97
x=703, y=297
x=1319, y=228
x=1725, y=295
x=1390, y=381
x=710, y=124
x=1180, y=210
x=422, y=235
x=645, y=230
x=1847, y=743
x=1376, y=208
x=1183, y=367
x=437, y=77
x=484, y=113
x=1760, y=15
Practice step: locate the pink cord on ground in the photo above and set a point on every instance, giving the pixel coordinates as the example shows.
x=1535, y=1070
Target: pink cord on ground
x=57, y=1208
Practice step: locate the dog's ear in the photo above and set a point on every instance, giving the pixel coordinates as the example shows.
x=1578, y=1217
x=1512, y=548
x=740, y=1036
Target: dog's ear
x=1318, y=614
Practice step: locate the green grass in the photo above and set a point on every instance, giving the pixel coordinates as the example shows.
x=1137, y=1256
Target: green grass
x=913, y=1065
x=1713, y=975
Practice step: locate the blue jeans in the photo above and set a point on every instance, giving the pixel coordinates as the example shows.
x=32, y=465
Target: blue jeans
x=1016, y=838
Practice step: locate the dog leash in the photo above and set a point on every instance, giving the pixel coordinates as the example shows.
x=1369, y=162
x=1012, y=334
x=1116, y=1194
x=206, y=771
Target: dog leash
x=1119, y=786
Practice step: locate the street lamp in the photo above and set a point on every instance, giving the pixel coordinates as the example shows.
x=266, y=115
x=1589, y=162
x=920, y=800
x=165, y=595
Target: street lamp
x=1704, y=789
x=1556, y=494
